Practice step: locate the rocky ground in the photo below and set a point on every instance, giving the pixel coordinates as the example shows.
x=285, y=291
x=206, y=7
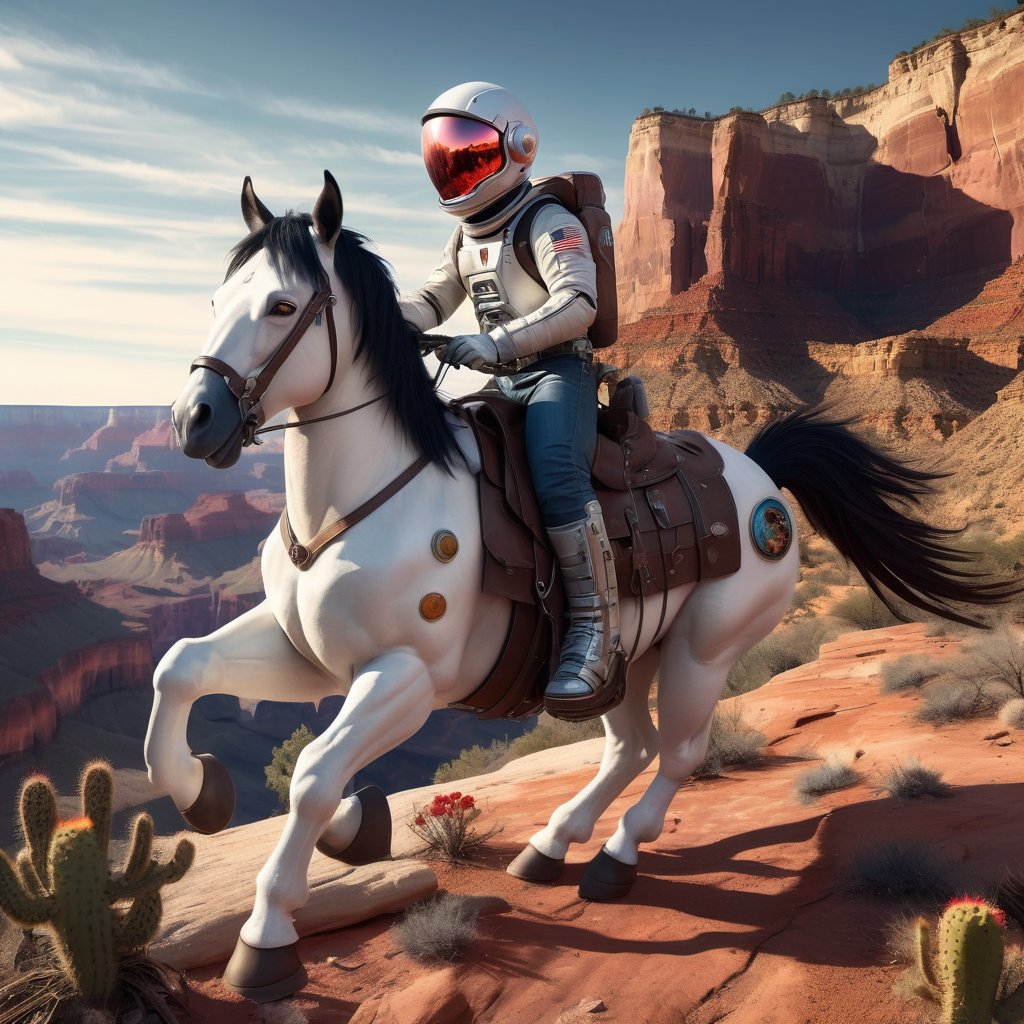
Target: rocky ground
x=740, y=910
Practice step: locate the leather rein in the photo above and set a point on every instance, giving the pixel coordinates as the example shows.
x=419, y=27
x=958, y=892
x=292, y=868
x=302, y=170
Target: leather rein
x=250, y=391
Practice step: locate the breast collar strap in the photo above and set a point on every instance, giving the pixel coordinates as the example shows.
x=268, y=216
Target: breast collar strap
x=250, y=390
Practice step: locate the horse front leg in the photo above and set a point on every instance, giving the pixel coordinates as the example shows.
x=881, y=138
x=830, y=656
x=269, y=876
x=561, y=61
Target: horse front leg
x=389, y=701
x=249, y=657
x=631, y=743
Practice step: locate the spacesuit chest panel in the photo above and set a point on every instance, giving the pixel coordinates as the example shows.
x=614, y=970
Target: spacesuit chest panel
x=496, y=284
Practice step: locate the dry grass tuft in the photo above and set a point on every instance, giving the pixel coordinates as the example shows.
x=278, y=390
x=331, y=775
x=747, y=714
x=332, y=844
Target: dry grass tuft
x=905, y=871
x=1012, y=713
x=833, y=774
x=912, y=780
x=957, y=702
x=910, y=673
x=864, y=610
x=439, y=930
x=731, y=742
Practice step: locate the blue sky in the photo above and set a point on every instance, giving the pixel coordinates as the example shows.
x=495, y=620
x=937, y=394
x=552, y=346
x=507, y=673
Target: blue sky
x=126, y=130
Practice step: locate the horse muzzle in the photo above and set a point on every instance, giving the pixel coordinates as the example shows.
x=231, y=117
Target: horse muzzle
x=207, y=420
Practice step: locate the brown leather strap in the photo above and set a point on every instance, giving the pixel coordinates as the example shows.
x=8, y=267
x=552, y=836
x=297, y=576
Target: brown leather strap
x=304, y=555
x=250, y=390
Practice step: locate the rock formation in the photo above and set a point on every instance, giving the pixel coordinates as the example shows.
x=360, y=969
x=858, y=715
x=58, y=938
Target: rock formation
x=57, y=650
x=918, y=180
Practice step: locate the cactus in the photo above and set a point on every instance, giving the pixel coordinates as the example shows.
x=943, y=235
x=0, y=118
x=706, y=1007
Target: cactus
x=71, y=890
x=964, y=977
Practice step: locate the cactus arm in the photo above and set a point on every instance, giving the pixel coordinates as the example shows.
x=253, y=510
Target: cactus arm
x=137, y=926
x=26, y=908
x=38, y=821
x=155, y=875
x=140, y=849
x=922, y=933
x=29, y=878
x=1010, y=1010
x=97, y=792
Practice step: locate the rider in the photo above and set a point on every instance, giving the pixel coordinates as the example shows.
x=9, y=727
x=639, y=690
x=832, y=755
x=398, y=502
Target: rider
x=479, y=143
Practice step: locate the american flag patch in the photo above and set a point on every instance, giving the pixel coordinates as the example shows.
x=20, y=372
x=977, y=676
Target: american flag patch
x=569, y=237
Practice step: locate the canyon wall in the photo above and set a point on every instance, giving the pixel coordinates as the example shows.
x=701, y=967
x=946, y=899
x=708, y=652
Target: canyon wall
x=915, y=181
x=57, y=649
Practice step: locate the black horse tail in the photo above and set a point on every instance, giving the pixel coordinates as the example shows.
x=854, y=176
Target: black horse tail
x=858, y=498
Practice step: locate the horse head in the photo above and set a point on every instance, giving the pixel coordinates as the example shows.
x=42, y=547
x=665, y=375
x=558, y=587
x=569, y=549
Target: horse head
x=280, y=289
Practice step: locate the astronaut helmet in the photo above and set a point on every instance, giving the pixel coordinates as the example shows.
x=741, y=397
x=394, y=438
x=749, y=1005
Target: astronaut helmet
x=479, y=143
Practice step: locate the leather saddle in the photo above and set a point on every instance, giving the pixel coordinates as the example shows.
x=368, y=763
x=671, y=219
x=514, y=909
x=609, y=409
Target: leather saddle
x=669, y=513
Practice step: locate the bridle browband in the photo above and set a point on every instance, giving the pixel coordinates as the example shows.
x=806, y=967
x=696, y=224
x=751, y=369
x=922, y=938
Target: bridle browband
x=250, y=390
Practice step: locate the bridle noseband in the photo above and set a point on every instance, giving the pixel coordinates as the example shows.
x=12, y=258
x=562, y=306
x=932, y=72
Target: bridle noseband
x=250, y=390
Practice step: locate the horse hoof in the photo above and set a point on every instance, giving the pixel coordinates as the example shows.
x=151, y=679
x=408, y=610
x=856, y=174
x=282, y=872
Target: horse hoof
x=264, y=975
x=533, y=866
x=215, y=804
x=373, y=840
x=606, y=878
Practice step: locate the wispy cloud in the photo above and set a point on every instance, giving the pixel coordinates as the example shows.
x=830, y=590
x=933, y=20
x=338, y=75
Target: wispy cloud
x=357, y=118
x=23, y=51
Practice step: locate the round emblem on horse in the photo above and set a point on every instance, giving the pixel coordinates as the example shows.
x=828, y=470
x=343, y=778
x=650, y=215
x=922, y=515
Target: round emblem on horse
x=771, y=528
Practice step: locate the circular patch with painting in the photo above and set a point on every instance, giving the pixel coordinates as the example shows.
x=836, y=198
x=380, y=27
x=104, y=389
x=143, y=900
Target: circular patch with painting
x=771, y=528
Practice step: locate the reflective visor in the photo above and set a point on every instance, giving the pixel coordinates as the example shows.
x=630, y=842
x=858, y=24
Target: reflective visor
x=459, y=153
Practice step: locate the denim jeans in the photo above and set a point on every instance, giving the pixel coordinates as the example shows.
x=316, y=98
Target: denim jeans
x=560, y=395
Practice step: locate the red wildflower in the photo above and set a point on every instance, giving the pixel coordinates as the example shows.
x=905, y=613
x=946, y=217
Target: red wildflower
x=420, y=820
x=467, y=802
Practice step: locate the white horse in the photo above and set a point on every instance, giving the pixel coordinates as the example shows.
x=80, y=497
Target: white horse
x=354, y=621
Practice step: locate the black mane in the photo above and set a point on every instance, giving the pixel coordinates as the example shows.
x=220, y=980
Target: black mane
x=385, y=339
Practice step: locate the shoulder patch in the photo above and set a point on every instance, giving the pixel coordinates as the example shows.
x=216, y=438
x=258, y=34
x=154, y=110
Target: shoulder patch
x=771, y=528
x=568, y=237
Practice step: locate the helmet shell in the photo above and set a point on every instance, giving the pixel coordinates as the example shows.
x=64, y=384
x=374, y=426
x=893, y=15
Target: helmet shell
x=518, y=139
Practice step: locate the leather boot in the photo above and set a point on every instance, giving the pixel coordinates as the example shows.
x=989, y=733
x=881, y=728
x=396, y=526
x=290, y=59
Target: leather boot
x=590, y=679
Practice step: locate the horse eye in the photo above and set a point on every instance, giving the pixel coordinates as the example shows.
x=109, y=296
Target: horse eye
x=282, y=309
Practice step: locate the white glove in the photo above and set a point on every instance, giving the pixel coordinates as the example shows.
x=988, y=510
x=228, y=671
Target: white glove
x=471, y=350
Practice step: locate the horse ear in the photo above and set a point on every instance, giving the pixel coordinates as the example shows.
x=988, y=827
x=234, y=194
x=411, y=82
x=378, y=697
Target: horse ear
x=327, y=211
x=255, y=213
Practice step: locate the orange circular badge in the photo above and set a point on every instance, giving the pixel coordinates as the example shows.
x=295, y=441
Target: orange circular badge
x=445, y=545
x=432, y=607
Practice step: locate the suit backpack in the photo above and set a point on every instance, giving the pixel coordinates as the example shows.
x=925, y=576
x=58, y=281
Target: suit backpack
x=582, y=194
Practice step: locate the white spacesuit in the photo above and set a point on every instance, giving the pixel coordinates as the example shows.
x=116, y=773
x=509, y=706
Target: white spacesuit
x=479, y=143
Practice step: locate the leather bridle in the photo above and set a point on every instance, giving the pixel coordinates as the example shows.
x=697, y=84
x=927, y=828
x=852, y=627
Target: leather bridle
x=250, y=390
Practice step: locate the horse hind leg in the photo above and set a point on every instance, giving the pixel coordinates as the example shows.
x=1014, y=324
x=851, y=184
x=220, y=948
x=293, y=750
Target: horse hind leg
x=721, y=621
x=631, y=743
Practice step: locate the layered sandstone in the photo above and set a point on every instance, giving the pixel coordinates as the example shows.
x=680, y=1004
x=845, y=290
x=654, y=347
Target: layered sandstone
x=211, y=517
x=123, y=425
x=57, y=650
x=918, y=180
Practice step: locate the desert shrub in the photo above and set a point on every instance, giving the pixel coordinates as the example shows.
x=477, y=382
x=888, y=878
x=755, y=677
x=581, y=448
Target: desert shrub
x=548, y=732
x=553, y=732
x=910, y=673
x=476, y=760
x=790, y=646
x=999, y=658
x=864, y=610
x=808, y=589
x=437, y=930
x=956, y=702
x=1010, y=896
x=1012, y=713
x=731, y=742
x=282, y=765
x=911, y=780
x=445, y=826
x=904, y=871
x=833, y=774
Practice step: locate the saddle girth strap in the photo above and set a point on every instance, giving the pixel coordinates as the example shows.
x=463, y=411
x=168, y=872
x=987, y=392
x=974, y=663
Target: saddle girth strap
x=304, y=555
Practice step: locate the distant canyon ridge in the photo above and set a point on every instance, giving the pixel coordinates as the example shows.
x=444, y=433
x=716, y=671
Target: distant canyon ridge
x=865, y=249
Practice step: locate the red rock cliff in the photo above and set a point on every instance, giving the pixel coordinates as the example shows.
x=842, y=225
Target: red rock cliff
x=15, y=554
x=917, y=180
x=212, y=517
